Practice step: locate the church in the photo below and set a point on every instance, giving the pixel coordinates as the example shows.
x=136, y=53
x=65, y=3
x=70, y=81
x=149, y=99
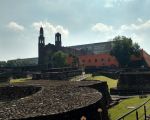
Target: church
x=45, y=51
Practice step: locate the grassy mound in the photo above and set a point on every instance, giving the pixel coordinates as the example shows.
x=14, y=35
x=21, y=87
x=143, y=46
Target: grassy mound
x=111, y=82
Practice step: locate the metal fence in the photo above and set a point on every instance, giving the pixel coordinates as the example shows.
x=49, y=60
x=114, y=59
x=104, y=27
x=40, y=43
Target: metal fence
x=145, y=112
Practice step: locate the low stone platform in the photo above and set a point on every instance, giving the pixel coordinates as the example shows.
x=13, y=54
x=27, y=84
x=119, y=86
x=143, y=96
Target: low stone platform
x=57, y=74
x=133, y=83
x=57, y=100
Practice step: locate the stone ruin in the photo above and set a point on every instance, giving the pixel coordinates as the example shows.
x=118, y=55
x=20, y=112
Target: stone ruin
x=133, y=82
x=55, y=100
x=57, y=73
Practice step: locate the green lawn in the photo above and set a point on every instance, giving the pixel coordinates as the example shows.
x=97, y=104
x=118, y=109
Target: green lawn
x=122, y=108
x=111, y=82
x=13, y=81
x=19, y=80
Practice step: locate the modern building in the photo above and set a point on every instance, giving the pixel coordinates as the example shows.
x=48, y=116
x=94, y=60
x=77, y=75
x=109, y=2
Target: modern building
x=95, y=48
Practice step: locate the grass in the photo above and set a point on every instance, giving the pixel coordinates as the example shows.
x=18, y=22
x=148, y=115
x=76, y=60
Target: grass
x=13, y=81
x=111, y=82
x=19, y=80
x=122, y=108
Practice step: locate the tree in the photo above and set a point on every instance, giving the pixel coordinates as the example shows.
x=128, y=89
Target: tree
x=22, y=62
x=59, y=59
x=2, y=63
x=75, y=61
x=123, y=48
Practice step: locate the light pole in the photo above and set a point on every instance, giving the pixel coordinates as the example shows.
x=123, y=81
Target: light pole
x=100, y=112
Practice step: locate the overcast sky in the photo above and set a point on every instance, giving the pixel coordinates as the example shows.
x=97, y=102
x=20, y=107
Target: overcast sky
x=79, y=22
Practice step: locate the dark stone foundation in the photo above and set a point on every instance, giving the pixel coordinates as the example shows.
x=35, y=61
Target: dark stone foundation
x=132, y=83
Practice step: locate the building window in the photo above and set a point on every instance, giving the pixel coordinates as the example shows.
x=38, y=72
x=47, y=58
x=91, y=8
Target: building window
x=89, y=60
x=95, y=60
x=108, y=59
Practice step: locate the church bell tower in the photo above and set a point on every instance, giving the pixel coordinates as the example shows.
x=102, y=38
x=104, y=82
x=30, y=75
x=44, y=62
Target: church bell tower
x=58, y=40
x=41, y=45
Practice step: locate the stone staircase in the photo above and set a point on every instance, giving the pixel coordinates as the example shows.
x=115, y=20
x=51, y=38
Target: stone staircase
x=80, y=77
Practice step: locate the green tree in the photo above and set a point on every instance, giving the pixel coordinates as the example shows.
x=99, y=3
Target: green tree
x=59, y=59
x=21, y=62
x=2, y=63
x=75, y=62
x=123, y=48
x=11, y=63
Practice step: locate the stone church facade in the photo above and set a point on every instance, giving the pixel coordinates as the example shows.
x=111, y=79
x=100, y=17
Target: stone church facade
x=45, y=51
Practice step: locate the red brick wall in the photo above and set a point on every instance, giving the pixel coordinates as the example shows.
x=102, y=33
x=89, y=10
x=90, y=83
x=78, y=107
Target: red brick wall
x=100, y=60
x=97, y=60
x=146, y=58
x=69, y=60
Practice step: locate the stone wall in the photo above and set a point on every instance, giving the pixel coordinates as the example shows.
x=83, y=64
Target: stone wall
x=89, y=112
x=132, y=83
x=57, y=74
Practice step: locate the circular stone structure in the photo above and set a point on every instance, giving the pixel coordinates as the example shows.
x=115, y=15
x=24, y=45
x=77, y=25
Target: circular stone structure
x=9, y=93
x=57, y=100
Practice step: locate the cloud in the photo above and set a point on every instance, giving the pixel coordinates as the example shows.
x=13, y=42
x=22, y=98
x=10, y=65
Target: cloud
x=141, y=26
x=112, y=3
x=50, y=28
x=15, y=26
x=137, y=38
x=140, y=20
x=100, y=27
x=138, y=31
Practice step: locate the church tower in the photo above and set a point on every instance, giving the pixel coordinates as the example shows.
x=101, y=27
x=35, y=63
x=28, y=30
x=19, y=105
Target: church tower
x=41, y=46
x=58, y=40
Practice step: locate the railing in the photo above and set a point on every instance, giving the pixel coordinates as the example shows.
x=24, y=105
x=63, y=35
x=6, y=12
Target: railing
x=145, y=108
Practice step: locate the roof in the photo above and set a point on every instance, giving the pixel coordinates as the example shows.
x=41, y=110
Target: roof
x=74, y=46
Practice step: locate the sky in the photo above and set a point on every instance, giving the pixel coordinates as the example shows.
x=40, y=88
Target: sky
x=79, y=22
